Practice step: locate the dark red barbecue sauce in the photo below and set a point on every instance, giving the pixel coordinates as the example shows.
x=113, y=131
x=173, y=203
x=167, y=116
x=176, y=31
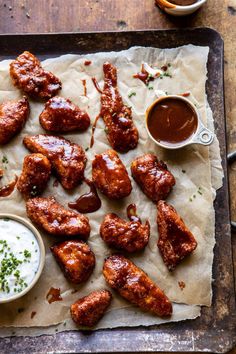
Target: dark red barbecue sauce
x=6, y=190
x=172, y=120
x=88, y=202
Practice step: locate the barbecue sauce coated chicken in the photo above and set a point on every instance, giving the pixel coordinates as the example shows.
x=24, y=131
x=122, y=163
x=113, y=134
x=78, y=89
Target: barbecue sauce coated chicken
x=120, y=129
x=52, y=217
x=175, y=240
x=68, y=159
x=13, y=115
x=88, y=310
x=62, y=115
x=152, y=176
x=34, y=176
x=75, y=258
x=29, y=76
x=135, y=286
x=110, y=175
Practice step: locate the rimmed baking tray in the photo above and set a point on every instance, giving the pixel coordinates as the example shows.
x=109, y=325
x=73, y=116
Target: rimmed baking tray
x=215, y=330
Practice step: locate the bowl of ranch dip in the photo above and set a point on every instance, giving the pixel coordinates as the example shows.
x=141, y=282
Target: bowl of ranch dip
x=22, y=257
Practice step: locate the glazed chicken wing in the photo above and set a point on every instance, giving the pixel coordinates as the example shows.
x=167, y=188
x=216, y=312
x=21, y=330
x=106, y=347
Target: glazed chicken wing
x=34, y=176
x=121, y=131
x=128, y=236
x=75, y=258
x=88, y=310
x=175, y=240
x=68, y=159
x=110, y=175
x=13, y=115
x=28, y=75
x=135, y=286
x=152, y=176
x=48, y=214
x=62, y=115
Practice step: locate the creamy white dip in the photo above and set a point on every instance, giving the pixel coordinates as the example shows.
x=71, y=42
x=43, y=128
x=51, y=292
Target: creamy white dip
x=19, y=257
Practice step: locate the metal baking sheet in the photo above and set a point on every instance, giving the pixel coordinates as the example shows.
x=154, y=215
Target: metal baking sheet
x=215, y=329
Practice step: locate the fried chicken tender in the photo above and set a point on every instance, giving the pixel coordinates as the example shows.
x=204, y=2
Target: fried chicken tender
x=28, y=75
x=88, y=310
x=128, y=236
x=68, y=159
x=13, y=115
x=135, y=286
x=52, y=217
x=152, y=176
x=34, y=176
x=175, y=240
x=110, y=175
x=62, y=115
x=121, y=131
x=75, y=258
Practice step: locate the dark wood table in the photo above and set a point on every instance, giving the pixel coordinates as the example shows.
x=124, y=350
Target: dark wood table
x=32, y=16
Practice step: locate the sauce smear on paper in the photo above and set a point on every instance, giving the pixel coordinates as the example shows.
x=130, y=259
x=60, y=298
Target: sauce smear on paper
x=88, y=202
x=96, y=85
x=53, y=295
x=6, y=190
x=172, y=120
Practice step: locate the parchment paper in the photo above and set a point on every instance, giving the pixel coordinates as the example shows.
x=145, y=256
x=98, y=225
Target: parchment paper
x=193, y=167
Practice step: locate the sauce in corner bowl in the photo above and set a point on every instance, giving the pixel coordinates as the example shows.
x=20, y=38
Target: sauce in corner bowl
x=19, y=258
x=171, y=120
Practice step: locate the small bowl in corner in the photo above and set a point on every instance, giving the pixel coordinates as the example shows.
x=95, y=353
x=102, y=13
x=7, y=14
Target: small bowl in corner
x=179, y=10
x=41, y=258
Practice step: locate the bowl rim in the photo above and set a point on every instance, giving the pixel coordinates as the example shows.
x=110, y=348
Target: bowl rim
x=39, y=239
x=182, y=144
x=196, y=5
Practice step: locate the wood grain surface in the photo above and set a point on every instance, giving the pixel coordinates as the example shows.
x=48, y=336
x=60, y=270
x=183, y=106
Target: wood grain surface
x=32, y=16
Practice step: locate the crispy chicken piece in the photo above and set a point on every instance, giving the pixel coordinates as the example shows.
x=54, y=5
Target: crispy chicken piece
x=34, y=176
x=128, y=236
x=62, y=115
x=56, y=220
x=75, y=258
x=13, y=115
x=135, y=286
x=68, y=159
x=88, y=310
x=121, y=131
x=28, y=75
x=175, y=239
x=110, y=175
x=152, y=176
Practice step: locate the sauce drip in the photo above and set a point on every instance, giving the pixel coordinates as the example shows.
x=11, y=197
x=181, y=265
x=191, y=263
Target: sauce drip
x=143, y=75
x=183, y=2
x=132, y=213
x=1, y=173
x=53, y=295
x=97, y=87
x=172, y=120
x=181, y=285
x=87, y=62
x=88, y=202
x=33, y=313
x=85, y=87
x=93, y=131
x=6, y=190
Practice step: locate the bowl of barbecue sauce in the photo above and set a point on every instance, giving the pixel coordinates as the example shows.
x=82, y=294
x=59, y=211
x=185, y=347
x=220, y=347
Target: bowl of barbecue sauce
x=180, y=7
x=173, y=122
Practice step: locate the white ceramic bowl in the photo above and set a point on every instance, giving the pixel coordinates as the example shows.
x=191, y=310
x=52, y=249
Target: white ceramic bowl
x=38, y=238
x=177, y=10
x=202, y=135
